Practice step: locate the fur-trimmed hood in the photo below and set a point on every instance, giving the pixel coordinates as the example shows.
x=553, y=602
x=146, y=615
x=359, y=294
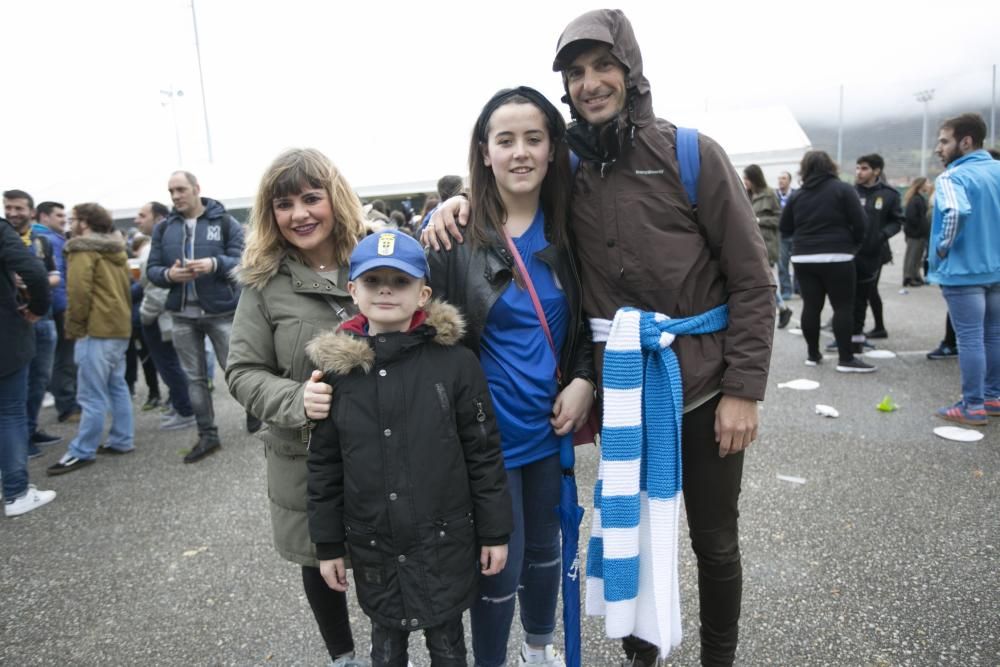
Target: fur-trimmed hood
x=105, y=243
x=340, y=352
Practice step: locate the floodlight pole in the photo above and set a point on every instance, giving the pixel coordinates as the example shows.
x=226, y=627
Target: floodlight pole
x=993, y=111
x=201, y=79
x=924, y=96
x=840, y=129
x=172, y=95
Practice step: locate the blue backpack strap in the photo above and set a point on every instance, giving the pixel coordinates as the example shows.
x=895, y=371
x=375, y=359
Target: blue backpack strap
x=574, y=162
x=689, y=162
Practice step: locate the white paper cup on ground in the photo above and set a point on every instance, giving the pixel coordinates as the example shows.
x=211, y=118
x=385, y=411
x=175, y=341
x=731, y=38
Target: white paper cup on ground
x=792, y=478
x=801, y=384
x=827, y=411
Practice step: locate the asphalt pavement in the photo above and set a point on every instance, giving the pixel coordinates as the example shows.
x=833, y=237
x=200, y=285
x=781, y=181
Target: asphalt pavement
x=881, y=549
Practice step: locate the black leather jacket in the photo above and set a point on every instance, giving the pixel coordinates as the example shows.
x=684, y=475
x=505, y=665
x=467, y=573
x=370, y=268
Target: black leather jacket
x=472, y=277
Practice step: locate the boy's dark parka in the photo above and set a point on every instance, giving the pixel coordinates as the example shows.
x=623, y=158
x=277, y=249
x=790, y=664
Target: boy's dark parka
x=407, y=472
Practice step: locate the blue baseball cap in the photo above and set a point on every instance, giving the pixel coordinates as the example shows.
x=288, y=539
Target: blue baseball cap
x=392, y=249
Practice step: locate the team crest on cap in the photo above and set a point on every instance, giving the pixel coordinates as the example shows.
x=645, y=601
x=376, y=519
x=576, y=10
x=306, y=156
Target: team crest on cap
x=386, y=244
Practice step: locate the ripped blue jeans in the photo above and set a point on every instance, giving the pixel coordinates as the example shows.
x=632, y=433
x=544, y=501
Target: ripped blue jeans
x=533, y=569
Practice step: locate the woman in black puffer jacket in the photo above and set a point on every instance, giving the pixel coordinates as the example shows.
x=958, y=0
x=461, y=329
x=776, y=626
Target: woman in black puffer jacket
x=827, y=224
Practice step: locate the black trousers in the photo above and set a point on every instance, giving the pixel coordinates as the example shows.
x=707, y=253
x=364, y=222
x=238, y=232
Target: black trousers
x=445, y=643
x=62, y=386
x=711, y=496
x=949, y=333
x=835, y=280
x=330, y=609
x=866, y=294
x=138, y=353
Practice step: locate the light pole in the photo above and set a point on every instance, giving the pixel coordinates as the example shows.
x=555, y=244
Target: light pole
x=924, y=96
x=201, y=79
x=993, y=111
x=840, y=128
x=172, y=94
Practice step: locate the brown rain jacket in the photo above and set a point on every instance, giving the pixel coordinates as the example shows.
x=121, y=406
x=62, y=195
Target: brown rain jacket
x=640, y=243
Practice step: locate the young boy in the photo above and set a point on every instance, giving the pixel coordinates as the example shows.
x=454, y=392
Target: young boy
x=406, y=473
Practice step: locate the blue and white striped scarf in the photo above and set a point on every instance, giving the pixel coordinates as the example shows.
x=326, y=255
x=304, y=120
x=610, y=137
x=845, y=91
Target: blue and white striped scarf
x=632, y=556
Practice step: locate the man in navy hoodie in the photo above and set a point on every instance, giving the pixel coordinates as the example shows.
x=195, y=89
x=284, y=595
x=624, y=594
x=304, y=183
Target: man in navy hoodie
x=194, y=252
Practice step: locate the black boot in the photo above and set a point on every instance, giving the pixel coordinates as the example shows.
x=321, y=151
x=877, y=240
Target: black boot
x=207, y=444
x=253, y=424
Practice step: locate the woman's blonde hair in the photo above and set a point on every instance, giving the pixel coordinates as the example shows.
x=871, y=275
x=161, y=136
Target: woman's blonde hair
x=914, y=189
x=292, y=172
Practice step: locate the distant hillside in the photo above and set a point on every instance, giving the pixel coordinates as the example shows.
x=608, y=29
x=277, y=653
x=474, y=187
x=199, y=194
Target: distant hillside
x=896, y=140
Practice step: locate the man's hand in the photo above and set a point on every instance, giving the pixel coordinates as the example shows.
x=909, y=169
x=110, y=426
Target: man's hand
x=201, y=266
x=23, y=309
x=317, y=397
x=442, y=225
x=180, y=274
x=735, y=424
x=572, y=406
x=492, y=559
x=334, y=574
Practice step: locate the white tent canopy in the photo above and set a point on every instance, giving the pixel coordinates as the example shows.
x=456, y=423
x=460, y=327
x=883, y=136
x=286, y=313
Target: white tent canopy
x=769, y=137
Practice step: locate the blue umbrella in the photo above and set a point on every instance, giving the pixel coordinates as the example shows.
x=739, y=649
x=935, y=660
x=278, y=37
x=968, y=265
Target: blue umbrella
x=570, y=515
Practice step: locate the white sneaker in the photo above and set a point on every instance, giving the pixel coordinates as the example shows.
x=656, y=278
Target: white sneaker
x=551, y=657
x=48, y=400
x=31, y=500
x=177, y=422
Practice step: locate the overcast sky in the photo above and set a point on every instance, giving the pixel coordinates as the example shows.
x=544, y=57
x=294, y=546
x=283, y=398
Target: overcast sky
x=381, y=83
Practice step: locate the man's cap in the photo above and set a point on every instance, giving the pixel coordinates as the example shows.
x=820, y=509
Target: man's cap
x=392, y=249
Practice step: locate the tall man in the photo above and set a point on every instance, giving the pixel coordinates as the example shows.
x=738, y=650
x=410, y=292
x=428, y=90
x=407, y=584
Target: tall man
x=19, y=207
x=885, y=218
x=964, y=258
x=62, y=386
x=640, y=243
x=194, y=252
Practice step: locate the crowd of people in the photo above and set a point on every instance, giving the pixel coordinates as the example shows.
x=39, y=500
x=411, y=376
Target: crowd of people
x=418, y=407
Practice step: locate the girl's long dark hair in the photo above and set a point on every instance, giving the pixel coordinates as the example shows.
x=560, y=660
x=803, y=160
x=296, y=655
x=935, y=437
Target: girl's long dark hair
x=755, y=175
x=487, y=208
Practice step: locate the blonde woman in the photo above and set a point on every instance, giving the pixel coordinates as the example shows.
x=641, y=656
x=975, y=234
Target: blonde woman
x=306, y=221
